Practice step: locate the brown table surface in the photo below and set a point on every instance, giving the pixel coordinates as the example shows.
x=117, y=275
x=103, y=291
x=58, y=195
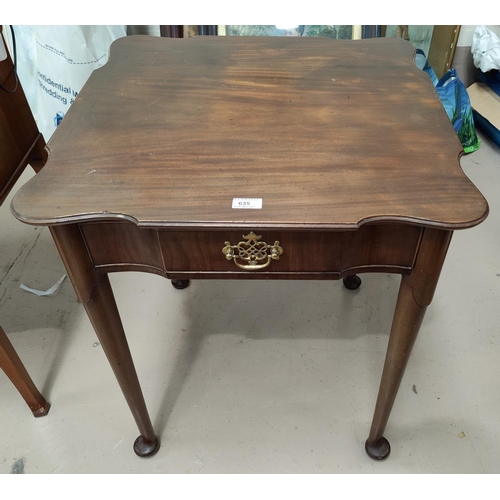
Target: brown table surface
x=329, y=133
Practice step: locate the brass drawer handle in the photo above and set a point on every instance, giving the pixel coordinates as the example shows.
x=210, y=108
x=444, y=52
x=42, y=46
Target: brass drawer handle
x=253, y=252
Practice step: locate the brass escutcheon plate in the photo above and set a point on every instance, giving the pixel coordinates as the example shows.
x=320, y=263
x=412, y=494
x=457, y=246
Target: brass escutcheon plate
x=252, y=254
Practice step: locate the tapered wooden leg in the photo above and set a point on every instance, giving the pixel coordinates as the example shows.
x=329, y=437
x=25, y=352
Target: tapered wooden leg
x=415, y=294
x=95, y=293
x=406, y=324
x=13, y=367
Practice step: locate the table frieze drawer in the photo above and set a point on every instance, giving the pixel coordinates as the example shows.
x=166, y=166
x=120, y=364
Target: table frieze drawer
x=247, y=251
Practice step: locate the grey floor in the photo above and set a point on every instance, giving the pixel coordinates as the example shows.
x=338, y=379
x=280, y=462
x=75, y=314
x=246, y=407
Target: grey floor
x=257, y=377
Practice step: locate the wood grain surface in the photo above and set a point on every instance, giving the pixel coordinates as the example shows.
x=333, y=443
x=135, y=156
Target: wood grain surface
x=331, y=134
x=374, y=248
x=20, y=141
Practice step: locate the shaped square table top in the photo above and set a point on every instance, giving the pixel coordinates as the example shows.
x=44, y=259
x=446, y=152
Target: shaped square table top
x=330, y=134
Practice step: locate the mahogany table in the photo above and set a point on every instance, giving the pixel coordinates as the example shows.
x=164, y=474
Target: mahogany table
x=254, y=158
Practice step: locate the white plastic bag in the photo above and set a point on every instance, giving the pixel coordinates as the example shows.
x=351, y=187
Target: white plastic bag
x=55, y=62
x=485, y=49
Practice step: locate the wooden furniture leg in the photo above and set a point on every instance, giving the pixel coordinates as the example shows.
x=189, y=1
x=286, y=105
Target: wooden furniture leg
x=352, y=282
x=39, y=154
x=96, y=295
x=415, y=294
x=13, y=367
x=180, y=284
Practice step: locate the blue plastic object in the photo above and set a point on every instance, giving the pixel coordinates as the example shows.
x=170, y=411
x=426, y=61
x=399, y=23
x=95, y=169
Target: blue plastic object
x=456, y=102
x=492, y=79
x=488, y=128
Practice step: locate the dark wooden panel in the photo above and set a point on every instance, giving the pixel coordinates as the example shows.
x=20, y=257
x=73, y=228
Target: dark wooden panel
x=122, y=243
x=215, y=275
x=380, y=245
x=172, y=31
x=20, y=140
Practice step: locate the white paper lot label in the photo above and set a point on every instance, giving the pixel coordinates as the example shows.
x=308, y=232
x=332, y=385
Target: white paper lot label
x=248, y=203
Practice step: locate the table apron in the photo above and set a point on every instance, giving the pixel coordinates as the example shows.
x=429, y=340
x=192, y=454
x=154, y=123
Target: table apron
x=123, y=246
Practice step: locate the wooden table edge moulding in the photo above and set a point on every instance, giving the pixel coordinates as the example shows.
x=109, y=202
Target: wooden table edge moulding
x=254, y=158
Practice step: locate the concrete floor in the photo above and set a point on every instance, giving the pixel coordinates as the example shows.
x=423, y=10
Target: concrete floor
x=257, y=377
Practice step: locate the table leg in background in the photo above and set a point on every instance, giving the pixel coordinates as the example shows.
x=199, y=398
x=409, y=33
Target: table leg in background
x=13, y=367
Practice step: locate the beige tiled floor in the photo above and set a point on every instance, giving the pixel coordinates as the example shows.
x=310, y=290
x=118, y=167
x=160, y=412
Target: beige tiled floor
x=257, y=376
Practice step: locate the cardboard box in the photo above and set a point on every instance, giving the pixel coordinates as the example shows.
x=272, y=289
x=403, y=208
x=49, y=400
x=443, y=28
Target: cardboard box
x=486, y=110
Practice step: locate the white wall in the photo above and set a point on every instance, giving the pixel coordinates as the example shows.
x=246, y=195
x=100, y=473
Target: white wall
x=467, y=30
